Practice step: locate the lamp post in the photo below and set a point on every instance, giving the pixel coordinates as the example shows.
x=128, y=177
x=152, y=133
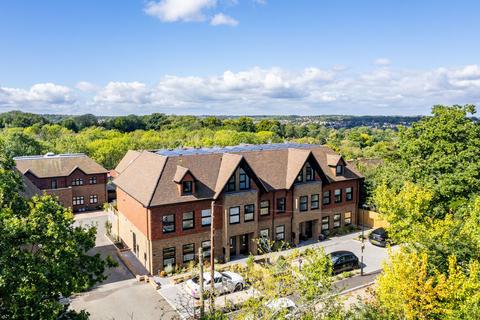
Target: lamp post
x=364, y=206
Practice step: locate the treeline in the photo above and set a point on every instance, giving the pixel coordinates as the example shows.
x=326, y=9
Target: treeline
x=107, y=139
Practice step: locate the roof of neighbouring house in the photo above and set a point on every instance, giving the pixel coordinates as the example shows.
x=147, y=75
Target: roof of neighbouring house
x=61, y=165
x=152, y=176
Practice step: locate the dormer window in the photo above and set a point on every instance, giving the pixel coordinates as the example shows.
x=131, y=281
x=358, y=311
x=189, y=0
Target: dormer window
x=300, y=177
x=339, y=170
x=187, y=187
x=231, y=183
x=244, y=180
x=309, y=173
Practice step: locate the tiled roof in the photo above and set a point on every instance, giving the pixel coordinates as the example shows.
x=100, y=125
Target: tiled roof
x=129, y=157
x=57, y=165
x=152, y=176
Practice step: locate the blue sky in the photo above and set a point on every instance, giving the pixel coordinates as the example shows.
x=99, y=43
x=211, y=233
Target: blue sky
x=238, y=57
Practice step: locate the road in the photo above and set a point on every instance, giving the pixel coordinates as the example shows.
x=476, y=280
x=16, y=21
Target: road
x=120, y=296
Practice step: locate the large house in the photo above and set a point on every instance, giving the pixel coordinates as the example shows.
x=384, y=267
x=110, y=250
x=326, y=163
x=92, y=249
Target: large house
x=281, y=192
x=77, y=181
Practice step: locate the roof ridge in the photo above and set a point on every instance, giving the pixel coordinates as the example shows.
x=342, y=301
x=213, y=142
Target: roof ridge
x=158, y=179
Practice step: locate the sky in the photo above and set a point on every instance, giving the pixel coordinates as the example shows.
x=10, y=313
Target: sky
x=238, y=57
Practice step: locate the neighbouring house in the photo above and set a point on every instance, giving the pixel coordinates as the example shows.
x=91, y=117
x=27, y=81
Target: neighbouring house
x=77, y=181
x=282, y=192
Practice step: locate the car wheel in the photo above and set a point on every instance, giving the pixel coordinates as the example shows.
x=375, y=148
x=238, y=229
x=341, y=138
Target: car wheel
x=238, y=287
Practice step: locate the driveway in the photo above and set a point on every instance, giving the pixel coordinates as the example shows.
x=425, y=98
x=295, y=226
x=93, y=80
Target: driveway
x=103, y=245
x=120, y=296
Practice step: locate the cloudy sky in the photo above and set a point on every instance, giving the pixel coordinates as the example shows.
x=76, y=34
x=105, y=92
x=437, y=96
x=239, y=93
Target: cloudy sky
x=303, y=57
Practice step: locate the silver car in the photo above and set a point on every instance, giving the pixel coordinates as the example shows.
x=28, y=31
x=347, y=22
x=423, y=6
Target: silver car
x=224, y=282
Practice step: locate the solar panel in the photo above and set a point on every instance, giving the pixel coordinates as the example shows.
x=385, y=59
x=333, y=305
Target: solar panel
x=48, y=156
x=238, y=148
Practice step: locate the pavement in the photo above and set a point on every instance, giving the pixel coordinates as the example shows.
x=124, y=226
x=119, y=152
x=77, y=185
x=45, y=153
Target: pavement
x=120, y=296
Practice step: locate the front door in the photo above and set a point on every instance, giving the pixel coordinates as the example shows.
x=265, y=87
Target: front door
x=233, y=246
x=308, y=229
x=244, y=244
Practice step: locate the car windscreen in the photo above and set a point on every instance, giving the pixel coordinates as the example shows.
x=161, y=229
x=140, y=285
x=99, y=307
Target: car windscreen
x=226, y=276
x=334, y=258
x=196, y=280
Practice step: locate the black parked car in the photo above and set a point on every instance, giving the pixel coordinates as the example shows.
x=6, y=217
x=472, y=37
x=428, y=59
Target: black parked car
x=343, y=261
x=379, y=237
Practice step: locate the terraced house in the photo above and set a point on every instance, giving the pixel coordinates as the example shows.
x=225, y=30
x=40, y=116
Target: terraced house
x=77, y=181
x=282, y=192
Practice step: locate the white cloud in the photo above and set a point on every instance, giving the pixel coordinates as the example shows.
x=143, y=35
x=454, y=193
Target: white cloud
x=223, y=19
x=86, y=86
x=41, y=93
x=264, y=91
x=124, y=93
x=179, y=10
x=382, y=62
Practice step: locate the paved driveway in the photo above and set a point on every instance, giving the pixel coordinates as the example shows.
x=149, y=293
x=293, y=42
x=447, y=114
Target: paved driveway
x=120, y=296
x=103, y=245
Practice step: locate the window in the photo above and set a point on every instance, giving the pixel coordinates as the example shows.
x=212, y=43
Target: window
x=168, y=223
x=349, y=194
x=325, y=223
x=338, y=195
x=303, y=203
x=309, y=173
x=168, y=257
x=206, y=246
x=206, y=217
x=244, y=180
x=336, y=220
x=314, y=201
x=231, y=183
x=54, y=184
x=188, y=220
x=264, y=233
x=249, y=212
x=339, y=170
x=281, y=205
x=92, y=180
x=280, y=232
x=93, y=198
x=187, y=187
x=77, y=182
x=264, y=208
x=300, y=177
x=77, y=201
x=234, y=214
x=188, y=252
x=347, y=218
x=326, y=197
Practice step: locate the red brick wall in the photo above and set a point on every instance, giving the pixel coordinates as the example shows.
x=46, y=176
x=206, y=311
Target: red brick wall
x=84, y=190
x=157, y=213
x=272, y=197
x=132, y=210
x=340, y=185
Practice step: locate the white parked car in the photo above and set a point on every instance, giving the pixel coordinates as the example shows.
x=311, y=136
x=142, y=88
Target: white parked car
x=224, y=282
x=283, y=306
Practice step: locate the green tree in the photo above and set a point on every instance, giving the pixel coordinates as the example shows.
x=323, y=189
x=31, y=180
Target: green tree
x=440, y=153
x=16, y=143
x=43, y=256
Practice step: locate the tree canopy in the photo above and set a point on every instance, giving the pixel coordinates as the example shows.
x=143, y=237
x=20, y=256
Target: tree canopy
x=43, y=257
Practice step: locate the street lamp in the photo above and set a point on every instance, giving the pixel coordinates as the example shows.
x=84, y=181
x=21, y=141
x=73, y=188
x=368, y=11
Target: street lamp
x=364, y=206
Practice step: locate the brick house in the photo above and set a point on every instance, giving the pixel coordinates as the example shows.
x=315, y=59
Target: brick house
x=77, y=181
x=282, y=192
